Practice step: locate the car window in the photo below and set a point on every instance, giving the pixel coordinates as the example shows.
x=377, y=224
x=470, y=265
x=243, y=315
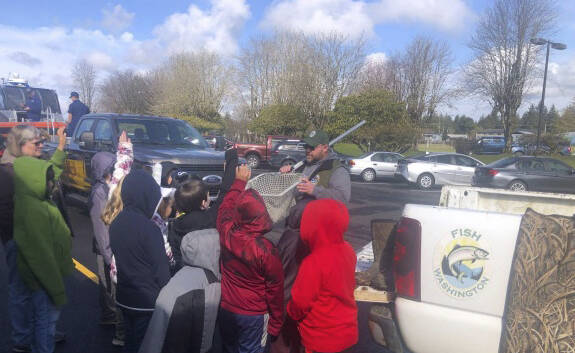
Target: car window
x=503, y=163
x=445, y=159
x=161, y=132
x=85, y=125
x=390, y=158
x=532, y=165
x=465, y=161
x=288, y=147
x=103, y=131
x=378, y=157
x=557, y=167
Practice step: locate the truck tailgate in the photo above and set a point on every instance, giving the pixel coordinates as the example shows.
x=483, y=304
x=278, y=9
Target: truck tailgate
x=466, y=258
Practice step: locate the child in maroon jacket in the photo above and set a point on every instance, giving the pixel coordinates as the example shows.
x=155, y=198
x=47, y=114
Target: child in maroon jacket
x=252, y=274
x=322, y=300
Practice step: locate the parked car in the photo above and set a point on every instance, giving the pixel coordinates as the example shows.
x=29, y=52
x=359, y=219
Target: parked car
x=527, y=173
x=493, y=144
x=530, y=149
x=172, y=142
x=433, y=169
x=288, y=152
x=567, y=150
x=374, y=164
x=255, y=154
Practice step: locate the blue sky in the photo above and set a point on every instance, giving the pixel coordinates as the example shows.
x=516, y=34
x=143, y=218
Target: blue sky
x=41, y=39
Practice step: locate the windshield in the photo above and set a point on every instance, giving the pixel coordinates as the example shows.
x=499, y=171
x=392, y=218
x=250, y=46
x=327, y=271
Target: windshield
x=162, y=132
x=16, y=96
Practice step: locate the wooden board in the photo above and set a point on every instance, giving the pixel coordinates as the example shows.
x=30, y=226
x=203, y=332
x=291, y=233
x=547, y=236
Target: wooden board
x=368, y=294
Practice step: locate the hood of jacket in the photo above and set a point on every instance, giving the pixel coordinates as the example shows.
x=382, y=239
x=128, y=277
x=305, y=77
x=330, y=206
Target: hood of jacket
x=323, y=223
x=141, y=192
x=251, y=214
x=30, y=177
x=201, y=248
x=102, y=162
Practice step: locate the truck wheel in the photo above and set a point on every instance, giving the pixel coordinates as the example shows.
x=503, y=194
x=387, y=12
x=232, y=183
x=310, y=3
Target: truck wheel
x=425, y=181
x=368, y=175
x=253, y=160
x=517, y=185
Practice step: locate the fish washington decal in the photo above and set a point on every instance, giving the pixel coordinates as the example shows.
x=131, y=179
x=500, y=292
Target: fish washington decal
x=461, y=262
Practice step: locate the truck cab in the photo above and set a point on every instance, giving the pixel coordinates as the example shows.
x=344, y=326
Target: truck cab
x=173, y=143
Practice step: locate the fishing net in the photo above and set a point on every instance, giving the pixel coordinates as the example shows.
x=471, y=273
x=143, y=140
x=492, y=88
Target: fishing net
x=277, y=191
x=540, y=310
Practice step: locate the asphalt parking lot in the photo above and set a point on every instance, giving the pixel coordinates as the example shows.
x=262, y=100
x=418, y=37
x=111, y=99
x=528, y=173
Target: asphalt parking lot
x=378, y=200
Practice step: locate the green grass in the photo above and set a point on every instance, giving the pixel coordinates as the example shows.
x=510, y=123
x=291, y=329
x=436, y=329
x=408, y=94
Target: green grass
x=435, y=147
x=349, y=149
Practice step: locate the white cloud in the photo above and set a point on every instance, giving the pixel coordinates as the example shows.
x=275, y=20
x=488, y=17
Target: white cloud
x=117, y=19
x=45, y=56
x=215, y=29
x=320, y=16
x=355, y=18
x=376, y=58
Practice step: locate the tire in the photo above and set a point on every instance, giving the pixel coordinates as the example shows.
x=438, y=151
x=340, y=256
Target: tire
x=368, y=175
x=518, y=154
x=289, y=162
x=253, y=160
x=425, y=181
x=517, y=185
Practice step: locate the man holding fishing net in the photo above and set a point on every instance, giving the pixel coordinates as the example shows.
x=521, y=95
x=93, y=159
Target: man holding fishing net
x=324, y=176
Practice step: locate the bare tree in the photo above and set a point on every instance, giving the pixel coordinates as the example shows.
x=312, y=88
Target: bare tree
x=308, y=72
x=426, y=66
x=504, y=59
x=127, y=92
x=84, y=76
x=192, y=84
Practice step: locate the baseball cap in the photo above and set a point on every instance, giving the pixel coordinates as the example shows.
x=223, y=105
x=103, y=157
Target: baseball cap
x=316, y=137
x=74, y=94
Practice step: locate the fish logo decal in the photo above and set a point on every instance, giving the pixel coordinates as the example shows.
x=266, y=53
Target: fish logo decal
x=461, y=262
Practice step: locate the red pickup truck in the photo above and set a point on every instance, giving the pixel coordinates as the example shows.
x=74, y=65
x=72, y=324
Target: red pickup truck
x=255, y=154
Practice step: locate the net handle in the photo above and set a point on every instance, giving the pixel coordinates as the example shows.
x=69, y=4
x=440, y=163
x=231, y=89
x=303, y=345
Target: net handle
x=334, y=141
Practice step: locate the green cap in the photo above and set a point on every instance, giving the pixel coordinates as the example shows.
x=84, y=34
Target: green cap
x=316, y=138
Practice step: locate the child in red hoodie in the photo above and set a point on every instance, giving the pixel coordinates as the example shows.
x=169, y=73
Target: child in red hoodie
x=322, y=300
x=252, y=273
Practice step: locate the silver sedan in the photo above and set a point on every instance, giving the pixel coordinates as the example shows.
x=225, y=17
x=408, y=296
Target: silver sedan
x=438, y=169
x=374, y=164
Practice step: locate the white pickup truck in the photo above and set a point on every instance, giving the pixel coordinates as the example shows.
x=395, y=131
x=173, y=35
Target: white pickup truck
x=451, y=268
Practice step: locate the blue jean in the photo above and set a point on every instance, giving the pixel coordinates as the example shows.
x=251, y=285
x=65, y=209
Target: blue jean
x=241, y=333
x=20, y=298
x=135, y=324
x=4, y=313
x=46, y=316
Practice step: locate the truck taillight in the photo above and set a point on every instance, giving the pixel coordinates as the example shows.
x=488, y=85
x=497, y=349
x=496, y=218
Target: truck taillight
x=407, y=259
x=492, y=172
x=351, y=163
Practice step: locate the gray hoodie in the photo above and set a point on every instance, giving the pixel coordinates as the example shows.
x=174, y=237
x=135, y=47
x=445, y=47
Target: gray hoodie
x=102, y=163
x=184, y=319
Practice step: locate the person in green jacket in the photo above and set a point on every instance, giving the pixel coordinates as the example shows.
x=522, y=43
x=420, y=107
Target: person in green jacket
x=43, y=241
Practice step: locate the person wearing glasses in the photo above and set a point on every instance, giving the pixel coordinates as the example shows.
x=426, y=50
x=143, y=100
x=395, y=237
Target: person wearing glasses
x=22, y=140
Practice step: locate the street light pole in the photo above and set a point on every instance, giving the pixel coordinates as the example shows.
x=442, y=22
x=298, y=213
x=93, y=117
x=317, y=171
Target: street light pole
x=550, y=44
x=542, y=103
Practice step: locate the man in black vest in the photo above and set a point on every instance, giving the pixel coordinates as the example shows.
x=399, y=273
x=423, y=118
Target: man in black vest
x=333, y=181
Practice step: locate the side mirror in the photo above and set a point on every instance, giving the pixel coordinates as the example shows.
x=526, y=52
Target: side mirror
x=87, y=139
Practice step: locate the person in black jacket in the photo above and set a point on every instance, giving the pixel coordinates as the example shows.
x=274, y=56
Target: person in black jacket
x=141, y=261
x=191, y=199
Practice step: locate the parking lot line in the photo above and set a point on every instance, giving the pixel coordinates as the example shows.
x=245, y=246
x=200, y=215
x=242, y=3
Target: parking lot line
x=83, y=270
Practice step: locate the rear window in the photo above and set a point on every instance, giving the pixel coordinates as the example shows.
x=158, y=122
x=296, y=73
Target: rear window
x=502, y=163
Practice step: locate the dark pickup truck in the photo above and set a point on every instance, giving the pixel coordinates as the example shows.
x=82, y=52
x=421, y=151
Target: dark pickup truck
x=171, y=142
